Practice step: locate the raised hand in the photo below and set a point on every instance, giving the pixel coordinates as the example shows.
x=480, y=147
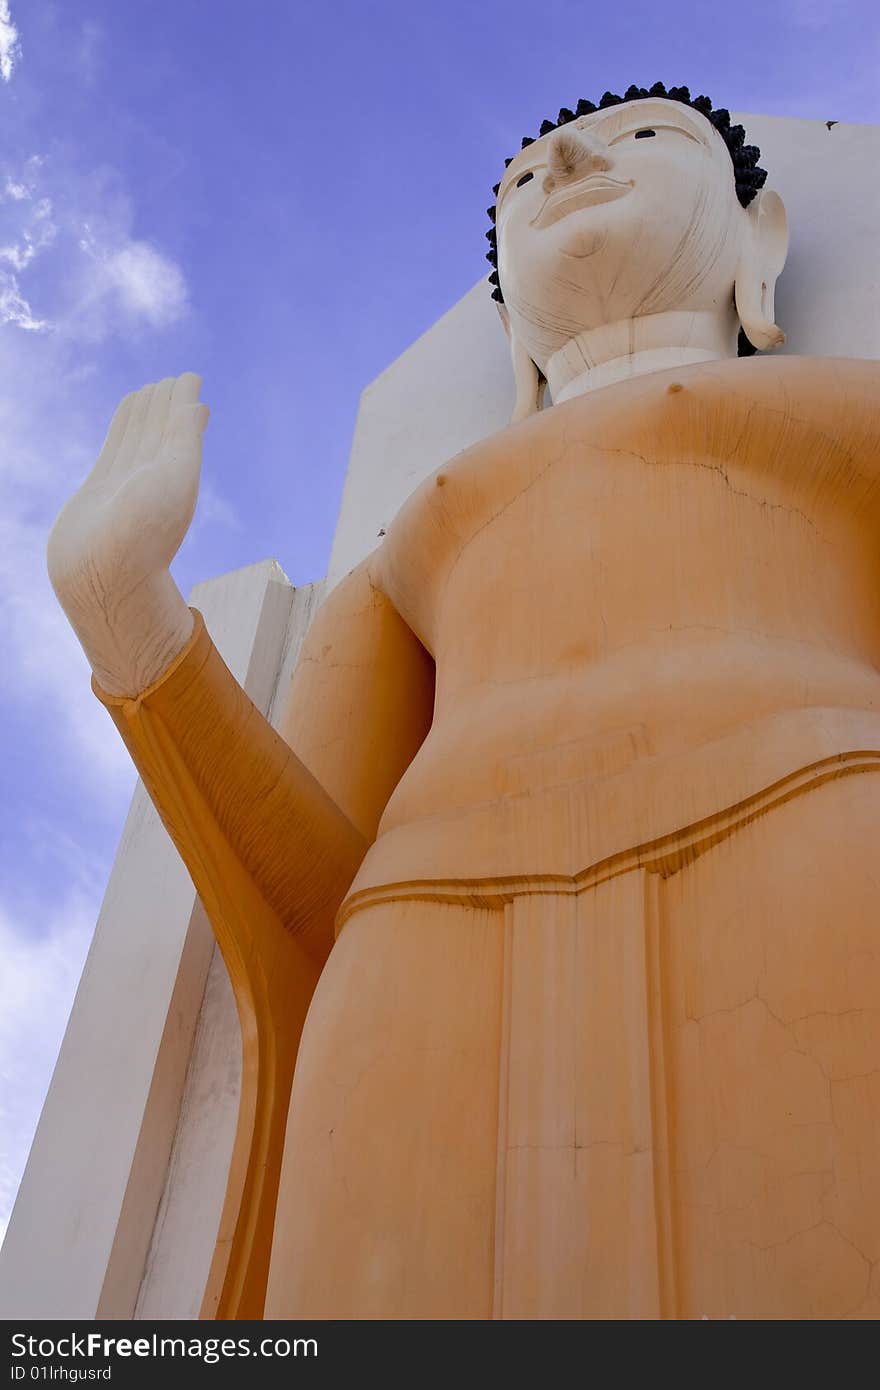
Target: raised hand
x=112, y=543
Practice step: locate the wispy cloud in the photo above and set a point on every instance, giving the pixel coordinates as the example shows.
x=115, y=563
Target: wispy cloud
x=37, y=234
x=104, y=280
x=16, y=191
x=26, y=228
x=131, y=279
x=46, y=448
x=68, y=249
x=10, y=48
x=15, y=309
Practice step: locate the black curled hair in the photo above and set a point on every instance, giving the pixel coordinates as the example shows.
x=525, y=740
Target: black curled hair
x=748, y=176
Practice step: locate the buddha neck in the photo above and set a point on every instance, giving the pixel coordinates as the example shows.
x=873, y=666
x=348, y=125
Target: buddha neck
x=633, y=347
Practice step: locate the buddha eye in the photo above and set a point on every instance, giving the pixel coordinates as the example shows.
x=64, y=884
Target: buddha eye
x=645, y=134
x=525, y=178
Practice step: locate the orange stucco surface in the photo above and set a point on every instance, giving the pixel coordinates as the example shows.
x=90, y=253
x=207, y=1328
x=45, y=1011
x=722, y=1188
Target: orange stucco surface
x=580, y=761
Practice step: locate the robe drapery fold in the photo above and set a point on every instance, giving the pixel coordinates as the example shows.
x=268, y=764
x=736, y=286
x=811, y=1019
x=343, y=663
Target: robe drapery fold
x=271, y=857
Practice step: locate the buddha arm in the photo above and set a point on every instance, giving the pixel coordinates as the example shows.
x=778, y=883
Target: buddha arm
x=272, y=839
x=298, y=823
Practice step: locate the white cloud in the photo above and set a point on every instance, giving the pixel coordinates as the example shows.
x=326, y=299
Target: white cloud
x=38, y=232
x=112, y=283
x=10, y=48
x=103, y=279
x=19, y=187
x=15, y=309
x=136, y=279
x=28, y=225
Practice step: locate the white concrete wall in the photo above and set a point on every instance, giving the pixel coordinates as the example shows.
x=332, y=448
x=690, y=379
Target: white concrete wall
x=186, y=1225
x=454, y=387
x=828, y=296
x=451, y=388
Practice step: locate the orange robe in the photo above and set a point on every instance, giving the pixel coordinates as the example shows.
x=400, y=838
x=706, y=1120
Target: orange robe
x=270, y=855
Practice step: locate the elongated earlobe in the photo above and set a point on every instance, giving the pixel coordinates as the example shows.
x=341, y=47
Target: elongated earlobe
x=763, y=256
x=528, y=382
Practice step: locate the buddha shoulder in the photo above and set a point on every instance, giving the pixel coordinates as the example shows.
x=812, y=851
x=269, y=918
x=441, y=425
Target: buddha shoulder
x=798, y=420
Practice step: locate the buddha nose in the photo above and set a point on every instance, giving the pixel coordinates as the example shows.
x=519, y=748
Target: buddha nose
x=572, y=154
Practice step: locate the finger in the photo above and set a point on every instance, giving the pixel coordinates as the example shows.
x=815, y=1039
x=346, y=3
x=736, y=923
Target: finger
x=186, y=425
x=113, y=440
x=180, y=466
x=186, y=390
x=128, y=449
x=156, y=419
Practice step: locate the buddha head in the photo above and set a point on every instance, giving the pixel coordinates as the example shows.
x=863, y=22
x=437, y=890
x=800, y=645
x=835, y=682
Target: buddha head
x=632, y=236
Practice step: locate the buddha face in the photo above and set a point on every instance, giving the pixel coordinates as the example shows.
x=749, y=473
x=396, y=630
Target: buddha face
x=629, y=211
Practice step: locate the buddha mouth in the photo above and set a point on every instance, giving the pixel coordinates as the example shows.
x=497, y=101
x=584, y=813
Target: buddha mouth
x=585, y=193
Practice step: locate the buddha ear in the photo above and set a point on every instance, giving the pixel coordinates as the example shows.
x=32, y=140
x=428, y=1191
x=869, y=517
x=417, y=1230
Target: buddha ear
x=528, y=382
x=762, y=258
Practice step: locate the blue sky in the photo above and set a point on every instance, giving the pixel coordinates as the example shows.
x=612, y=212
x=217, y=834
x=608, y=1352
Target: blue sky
x=280, y=196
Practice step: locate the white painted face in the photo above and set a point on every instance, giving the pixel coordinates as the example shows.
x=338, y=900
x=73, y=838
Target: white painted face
x=626, y=212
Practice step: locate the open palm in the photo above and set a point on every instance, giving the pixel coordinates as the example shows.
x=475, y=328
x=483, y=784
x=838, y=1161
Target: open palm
x=112, y=543
x=129, y=517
